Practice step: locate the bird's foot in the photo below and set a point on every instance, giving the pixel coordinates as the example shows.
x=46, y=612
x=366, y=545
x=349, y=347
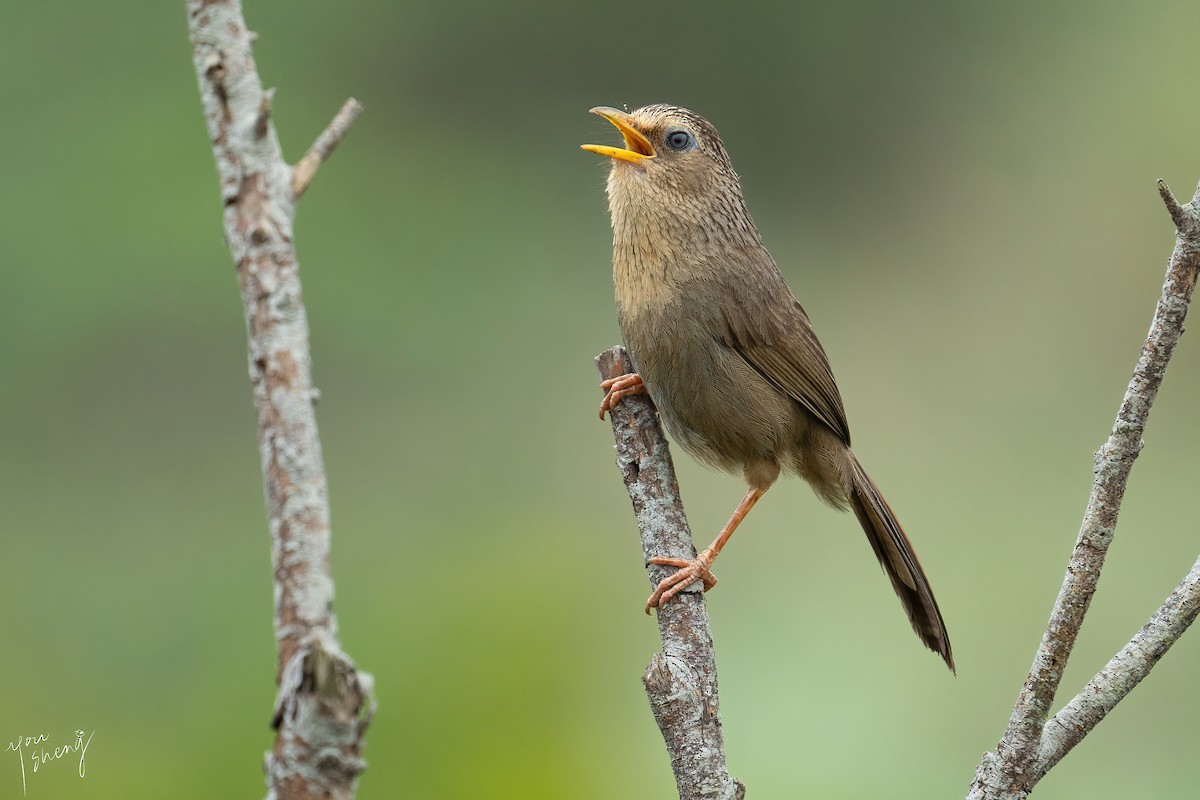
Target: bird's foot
x=689, y=572
x=618, y=387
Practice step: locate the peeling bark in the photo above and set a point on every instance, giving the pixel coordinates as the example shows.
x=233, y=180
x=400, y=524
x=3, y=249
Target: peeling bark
x=681, y=680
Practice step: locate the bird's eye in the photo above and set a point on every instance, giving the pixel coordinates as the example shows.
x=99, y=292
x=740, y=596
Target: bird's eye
x=679, y=139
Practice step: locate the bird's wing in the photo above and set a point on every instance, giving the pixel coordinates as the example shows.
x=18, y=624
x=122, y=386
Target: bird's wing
x=780, y=345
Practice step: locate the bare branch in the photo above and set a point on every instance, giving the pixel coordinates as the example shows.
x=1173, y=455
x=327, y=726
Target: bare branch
x=681, y=681
x=1173, y=207
x=1118, y=677
x=1012, y=770
x=324, y=703
x=323, y=147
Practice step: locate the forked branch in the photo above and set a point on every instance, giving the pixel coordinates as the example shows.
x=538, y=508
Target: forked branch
x=324, y=703
x=1030, y=746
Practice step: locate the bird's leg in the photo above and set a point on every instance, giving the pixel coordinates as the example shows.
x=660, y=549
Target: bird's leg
x=698, y=568
x=618, y=387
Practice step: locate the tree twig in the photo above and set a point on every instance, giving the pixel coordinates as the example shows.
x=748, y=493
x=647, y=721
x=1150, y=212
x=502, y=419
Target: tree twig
x=1021, y=756
x=324, y=703
x=680, y=681
x=323, y=147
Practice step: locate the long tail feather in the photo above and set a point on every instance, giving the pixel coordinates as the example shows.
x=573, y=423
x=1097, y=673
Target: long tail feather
x=895, y=554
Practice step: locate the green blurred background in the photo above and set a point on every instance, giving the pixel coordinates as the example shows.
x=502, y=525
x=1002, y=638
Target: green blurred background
x=963, y=197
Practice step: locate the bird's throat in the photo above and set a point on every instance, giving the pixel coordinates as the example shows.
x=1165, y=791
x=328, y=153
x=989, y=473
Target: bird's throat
x=646, y=260
x=645, y=274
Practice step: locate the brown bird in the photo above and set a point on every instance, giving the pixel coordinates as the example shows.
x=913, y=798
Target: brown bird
x=724, y=349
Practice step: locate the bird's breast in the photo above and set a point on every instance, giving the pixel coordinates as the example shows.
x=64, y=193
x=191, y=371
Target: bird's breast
x=713, y=403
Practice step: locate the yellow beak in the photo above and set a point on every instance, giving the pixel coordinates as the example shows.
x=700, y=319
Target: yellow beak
x=637, y=146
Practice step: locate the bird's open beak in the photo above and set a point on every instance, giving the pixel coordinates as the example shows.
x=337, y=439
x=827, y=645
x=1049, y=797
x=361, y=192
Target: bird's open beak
x=637, y=146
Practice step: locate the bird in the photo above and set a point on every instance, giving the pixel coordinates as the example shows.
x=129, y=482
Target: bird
x=724, y=349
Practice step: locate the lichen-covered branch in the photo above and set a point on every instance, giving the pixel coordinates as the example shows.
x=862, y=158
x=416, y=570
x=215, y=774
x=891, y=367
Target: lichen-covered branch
x=324, y=703
x=1118, y=677
x=1028, y=748
x=681, y=681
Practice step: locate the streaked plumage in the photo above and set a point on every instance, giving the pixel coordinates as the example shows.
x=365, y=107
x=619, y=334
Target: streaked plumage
x=725, y=350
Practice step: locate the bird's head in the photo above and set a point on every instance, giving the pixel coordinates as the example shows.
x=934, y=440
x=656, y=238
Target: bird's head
x=673, y=164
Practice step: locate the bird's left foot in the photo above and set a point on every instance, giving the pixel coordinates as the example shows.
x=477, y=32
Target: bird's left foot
x=689, y=572
x=618, y=387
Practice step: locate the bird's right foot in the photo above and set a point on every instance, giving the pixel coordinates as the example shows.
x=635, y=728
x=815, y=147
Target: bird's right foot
x=697, y=569
x=618, y=387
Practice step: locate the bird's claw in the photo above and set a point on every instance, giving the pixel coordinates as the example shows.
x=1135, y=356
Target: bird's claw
x=689, y=572
x=618, y=387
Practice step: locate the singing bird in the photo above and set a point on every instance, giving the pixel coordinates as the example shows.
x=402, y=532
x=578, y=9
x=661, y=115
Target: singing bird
x=725, y=350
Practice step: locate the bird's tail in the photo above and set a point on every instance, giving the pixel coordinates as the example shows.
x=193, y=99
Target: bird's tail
x=895, y=554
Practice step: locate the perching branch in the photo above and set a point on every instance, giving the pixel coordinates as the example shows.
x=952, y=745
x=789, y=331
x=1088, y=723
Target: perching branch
x=324, y=703
x=681, y=681
x=1030, y=746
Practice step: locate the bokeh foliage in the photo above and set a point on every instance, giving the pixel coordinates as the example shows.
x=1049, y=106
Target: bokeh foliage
x=961, y=194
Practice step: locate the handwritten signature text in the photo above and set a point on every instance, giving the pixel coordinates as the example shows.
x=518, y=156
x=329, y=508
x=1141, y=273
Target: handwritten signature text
x=39, y=752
